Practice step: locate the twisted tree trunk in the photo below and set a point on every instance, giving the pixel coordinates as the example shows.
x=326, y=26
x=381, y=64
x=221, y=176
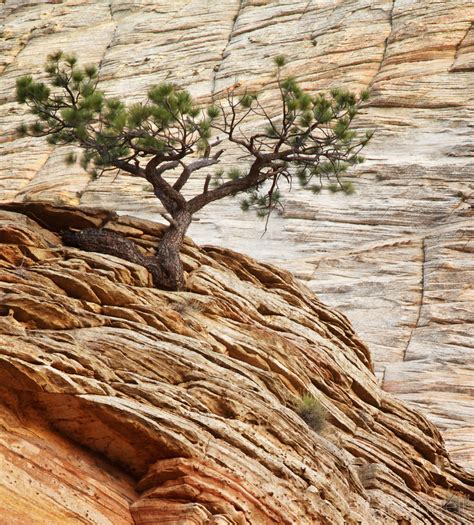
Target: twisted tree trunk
x=167, y=259
x=165, y=267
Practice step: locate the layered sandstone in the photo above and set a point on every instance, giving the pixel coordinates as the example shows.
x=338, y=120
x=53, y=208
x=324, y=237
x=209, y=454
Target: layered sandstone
x=397, y=256
x=122, y=403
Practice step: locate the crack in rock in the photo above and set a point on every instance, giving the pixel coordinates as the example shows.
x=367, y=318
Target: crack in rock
x=386, y=41
x=458, y=47
x=231, y=32
x=422, y=296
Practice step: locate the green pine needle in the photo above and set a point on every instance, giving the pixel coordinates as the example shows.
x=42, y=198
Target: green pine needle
x=280, y=60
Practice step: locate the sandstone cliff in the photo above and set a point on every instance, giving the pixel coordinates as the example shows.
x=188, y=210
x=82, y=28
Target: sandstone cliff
x=397, y=256
x=121, y=403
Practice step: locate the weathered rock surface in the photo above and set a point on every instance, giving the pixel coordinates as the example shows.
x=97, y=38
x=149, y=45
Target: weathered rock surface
x=397, y=256
x=121, y=403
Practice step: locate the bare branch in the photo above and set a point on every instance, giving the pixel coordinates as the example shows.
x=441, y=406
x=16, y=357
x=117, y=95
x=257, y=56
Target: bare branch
x=168, y=218
x=131, y=169
x=194, y=166
x=206, y=183
x=230, y=187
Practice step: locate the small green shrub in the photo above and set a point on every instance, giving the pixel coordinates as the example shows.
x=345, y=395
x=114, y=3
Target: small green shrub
x=312, y=412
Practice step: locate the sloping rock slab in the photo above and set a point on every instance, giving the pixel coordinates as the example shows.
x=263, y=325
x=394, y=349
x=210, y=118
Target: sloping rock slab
x=149, y=406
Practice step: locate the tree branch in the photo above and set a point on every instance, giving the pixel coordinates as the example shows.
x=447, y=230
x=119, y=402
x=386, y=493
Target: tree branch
x=229, y=187
x=194, y=166
x=131, y=169
x=171, y=199
x=206, y=183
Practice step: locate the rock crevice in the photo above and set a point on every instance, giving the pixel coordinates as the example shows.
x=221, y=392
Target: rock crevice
x=422, y=295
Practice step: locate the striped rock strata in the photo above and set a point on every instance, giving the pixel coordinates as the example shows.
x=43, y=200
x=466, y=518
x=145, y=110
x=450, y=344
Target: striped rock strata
x=397, y=256
x=121, y=403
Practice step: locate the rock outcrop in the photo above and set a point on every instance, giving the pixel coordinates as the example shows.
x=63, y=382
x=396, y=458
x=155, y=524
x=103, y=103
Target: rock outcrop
x=122, y=403
x=397, y=256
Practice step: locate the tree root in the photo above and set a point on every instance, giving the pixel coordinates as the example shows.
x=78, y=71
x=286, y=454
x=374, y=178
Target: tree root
x=112, y=243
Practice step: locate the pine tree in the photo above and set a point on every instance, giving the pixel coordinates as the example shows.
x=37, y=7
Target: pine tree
x=310, y=139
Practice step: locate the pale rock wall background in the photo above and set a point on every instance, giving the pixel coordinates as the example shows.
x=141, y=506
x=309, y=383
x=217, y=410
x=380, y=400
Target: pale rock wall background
x=396, y=257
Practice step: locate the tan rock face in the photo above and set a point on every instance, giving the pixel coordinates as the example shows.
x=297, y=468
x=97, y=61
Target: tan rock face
x=192, y=395
x=397, y=256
